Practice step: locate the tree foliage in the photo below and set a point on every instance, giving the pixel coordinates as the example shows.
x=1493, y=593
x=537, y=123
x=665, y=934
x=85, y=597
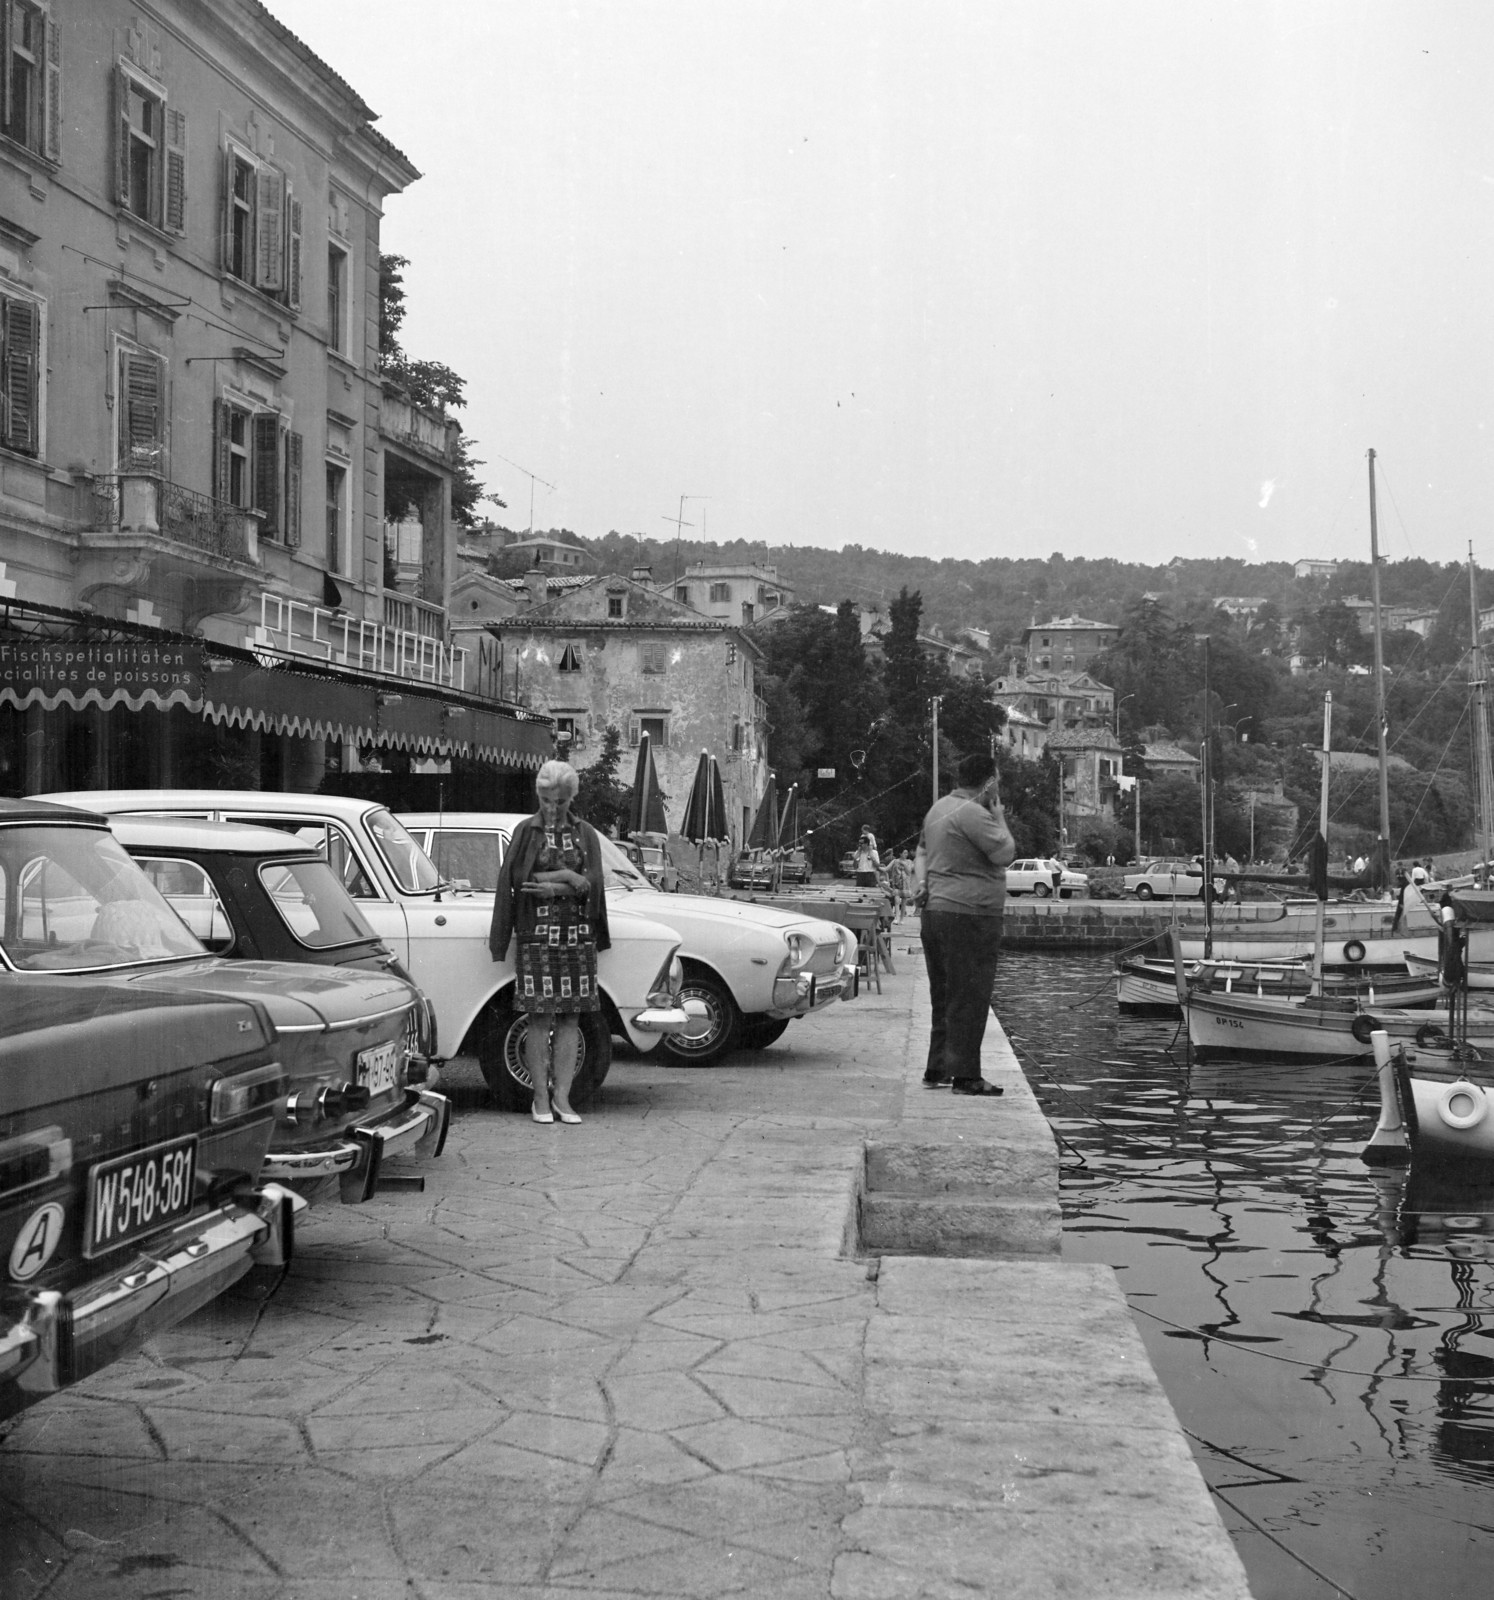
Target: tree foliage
x=602, y=799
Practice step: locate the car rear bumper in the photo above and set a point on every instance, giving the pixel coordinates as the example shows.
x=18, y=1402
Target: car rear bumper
x=49, y=1340
x=417, y=1126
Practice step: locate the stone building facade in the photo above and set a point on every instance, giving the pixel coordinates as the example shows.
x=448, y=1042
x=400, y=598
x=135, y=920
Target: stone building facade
x=615, y=651
x=197, y=452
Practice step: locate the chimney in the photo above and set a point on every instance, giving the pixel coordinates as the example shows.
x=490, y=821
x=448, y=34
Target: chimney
x=642, y=574
x=537, y=581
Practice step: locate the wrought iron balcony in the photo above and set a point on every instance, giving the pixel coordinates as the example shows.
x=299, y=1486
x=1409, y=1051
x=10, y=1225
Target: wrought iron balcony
x=143, y=502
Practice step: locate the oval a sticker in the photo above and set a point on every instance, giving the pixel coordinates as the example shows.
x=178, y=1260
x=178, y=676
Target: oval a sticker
x=39, y=1237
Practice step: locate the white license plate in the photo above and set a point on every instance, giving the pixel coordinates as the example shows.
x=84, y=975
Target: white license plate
x=136, y=1194
x=378, y=1067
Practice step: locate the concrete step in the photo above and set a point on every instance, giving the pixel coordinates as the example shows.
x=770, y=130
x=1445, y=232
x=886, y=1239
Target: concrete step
x=959, y=1225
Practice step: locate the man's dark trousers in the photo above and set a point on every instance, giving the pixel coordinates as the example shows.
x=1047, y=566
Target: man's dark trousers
x=960, y=953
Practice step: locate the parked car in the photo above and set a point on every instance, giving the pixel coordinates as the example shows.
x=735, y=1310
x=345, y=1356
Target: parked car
x=649, y=852
x=1034, y=875
x=751, y=869
x=138, y=1087
x=1173, y=879
x=440, y=933
x=795, y=867
x=749, y=970
x=258, y=894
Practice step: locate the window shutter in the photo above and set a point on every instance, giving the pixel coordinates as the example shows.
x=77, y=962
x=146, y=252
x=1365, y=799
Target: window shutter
x=293, y=264
x=293, y=454
x=52, y=109
x=269, y=228
x=21, y=325
x=176, y=171
x=221, y=475
x=266, y=468
x=633, y=730
x=140, y=412
x=226, y=223
x=121, y=136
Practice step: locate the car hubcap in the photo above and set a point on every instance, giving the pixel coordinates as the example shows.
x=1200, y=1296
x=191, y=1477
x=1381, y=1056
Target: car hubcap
x=703, y=1032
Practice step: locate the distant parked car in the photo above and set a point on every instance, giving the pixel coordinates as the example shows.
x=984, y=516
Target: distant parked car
x=140, y=1080
x=749, y=970
x=751, y=869
x=1035, y=875
x=440, y=933
x=795, y=868
x=1169, y=878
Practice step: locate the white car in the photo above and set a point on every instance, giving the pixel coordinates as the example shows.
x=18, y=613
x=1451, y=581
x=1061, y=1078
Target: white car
x=749, y=969
x=1034, y=875
x=441, y=933
x=1170, y=879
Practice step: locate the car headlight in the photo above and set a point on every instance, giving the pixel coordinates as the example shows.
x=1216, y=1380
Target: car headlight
x=667, y=984
x=800, y=947
x=840, y=949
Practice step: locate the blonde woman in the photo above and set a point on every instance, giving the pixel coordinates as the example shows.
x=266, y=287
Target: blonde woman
x=551, y=898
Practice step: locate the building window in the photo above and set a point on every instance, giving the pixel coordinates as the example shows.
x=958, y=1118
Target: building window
x=654, y=659
x=20, y=375
x=31, y=88
x=261, y=227
x=657, y=729
x=565, y=730
x=336, y=482
x=142, y=411
x=682, y=594
x=615, y=605
x=747, y=612
x=570, y=659
x=257, y=466
x=720, y=594
x=337, y=288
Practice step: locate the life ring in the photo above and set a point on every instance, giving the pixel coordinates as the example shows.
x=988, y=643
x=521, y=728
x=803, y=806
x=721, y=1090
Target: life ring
x=1462, y=1104
x=1364, y=1025
x=1354, y=950
x=1429, y=1034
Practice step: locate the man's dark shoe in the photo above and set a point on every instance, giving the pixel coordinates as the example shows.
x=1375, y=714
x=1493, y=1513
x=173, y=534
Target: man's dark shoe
x=975, y=1086
x=936, y=1080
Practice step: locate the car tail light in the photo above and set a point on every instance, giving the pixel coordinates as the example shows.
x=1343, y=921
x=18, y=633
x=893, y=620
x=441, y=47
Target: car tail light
x=33, y=1157
x=246, y=1091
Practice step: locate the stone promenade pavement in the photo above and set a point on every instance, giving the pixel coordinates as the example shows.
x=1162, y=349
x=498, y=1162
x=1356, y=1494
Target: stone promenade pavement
x=628, y=1359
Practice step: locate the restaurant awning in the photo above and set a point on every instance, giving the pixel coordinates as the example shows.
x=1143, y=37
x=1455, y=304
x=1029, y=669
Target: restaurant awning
x=51, y=658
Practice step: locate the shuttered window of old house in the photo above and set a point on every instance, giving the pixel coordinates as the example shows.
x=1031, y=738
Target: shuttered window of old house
x=142, y=411
x=20, y=328
x=267, y=469
x=31, y=78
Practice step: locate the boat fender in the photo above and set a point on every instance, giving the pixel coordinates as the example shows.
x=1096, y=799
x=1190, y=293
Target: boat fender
x=1354, y=950
x=1429, y=1034
x=1364, y=1025
x=1462, y=1104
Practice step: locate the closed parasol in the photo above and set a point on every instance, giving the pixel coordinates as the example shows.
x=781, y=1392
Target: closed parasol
x=764, y=835
x=646, y=808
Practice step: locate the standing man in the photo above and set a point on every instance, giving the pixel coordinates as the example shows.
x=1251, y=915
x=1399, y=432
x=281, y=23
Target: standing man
x=868, y=862
x=900, y=881
x=959, y=877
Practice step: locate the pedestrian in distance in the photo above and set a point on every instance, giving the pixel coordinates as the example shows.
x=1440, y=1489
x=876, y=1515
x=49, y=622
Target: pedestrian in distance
x=868, y=862
x=550, y=897
x=959, y=877
x=900, y=881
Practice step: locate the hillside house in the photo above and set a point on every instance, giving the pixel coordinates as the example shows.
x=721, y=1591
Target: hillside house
x=1066, y=644
x=739, y=594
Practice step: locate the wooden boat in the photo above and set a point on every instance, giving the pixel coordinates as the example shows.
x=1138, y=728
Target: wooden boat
x=1316, y=1027
x=1480, y=973
x=1147, y=985
x=1357, y=933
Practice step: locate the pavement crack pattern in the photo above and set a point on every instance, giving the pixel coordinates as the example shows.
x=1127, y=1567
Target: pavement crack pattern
x=621, y=1361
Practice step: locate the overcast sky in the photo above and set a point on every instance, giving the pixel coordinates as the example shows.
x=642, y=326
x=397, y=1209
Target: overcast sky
x=1136, y=279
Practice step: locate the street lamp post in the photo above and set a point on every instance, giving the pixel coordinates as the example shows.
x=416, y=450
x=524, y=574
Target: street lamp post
x=1118, y=704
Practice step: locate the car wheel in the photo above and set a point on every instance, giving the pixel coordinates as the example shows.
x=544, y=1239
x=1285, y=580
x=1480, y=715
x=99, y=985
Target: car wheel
x=711, y=1036
x=759, y=1032
x=1044, y=891
x=1143, y=891
x=507, y=1073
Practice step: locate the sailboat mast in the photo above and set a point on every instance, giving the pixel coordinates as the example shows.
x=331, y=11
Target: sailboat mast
x=1382, y=844
x=1483, y=772
x=1321, y=844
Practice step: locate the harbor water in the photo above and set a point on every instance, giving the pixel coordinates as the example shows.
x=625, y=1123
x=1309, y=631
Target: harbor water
x=1324, y=1331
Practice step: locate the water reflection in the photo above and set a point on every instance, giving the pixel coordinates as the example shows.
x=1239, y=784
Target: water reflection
x=1325, y=1333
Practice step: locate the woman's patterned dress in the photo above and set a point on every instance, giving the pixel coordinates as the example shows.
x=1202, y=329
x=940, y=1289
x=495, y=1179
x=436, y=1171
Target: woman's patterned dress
x=557, y=949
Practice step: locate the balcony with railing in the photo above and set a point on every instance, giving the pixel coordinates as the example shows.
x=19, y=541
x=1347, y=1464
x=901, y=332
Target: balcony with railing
x=146, y=503
x=419, y=428
x=409, y=615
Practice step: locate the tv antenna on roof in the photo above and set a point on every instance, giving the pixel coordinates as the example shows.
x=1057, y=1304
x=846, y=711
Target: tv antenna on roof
x=679, y=523
x=533, y=479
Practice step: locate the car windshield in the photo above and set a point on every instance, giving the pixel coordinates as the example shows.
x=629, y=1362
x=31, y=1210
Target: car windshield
x=619, y=869
x=413, y=869
x=313, y=904
x=471, y=856
x=71, y=899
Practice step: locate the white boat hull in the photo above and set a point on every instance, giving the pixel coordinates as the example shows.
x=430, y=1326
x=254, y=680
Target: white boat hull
x=1447, y=1121
x=1236, y=1024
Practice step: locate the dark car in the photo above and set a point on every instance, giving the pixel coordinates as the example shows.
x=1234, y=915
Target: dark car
x=135, y=1111
x=260, y=894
